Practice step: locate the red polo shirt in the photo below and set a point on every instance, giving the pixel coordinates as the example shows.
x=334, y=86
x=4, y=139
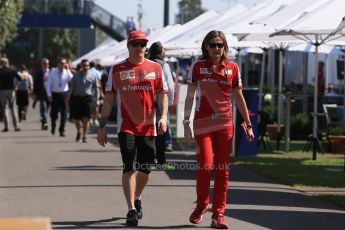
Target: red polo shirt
x=214, y=85
x=213, y=104
x=136, y=86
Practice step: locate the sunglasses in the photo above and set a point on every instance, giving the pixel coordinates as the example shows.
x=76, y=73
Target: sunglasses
x=136, y=44
x=214, y=45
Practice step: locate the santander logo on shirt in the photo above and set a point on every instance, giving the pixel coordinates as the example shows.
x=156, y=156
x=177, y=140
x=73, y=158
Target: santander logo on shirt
x=136, y=87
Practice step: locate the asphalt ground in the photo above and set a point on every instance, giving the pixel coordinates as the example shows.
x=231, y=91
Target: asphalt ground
x=78, y=186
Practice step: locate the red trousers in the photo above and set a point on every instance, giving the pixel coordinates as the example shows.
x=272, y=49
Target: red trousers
x=217, y=161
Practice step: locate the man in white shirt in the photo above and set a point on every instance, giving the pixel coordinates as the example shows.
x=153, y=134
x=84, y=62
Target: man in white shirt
x=57, y=90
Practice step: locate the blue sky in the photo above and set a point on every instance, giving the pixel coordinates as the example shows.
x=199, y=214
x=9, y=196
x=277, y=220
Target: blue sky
x=153, y=9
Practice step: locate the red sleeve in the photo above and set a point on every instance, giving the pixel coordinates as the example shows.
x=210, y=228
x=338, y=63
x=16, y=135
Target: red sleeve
x=193, y=73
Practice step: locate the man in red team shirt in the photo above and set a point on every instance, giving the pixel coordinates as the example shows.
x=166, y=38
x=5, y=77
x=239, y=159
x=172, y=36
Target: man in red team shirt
x=136, y=81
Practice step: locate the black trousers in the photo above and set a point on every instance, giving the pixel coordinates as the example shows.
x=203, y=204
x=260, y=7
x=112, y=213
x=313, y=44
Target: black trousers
x=22, y=99
x=58, y=106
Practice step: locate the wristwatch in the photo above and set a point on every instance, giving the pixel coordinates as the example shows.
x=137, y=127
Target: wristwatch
x=185, y=122
x=249, y=126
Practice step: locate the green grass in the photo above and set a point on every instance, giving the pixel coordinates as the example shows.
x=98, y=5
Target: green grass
x=296, y=146
x=338, y=200
x=299, y=171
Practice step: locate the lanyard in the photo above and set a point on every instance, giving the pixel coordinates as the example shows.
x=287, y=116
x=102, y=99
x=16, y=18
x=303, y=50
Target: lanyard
x=60, y=78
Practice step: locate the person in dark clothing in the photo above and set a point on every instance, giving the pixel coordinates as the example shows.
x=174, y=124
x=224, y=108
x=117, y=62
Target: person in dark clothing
x=156, y=52
x=7, y=88
x=40, y=79
x=83, y=85
x=23, y=93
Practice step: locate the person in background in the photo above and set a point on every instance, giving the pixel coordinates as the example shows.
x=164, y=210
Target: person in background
x=57, y=90
x=332, y=91
x=136, y=81
x=212, y=78
x=83, y=85
x=40, y=93
x=7, y=89
x=156, y=52
x=321, y=79
x=129, y=25
x=1, y=113
x=25, y=88
x=95, y=102
x=103, y=82
x=185, y=74
x=332, y=96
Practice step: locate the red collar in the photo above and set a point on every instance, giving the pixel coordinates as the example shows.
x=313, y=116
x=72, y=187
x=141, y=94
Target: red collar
x=222, y=63
x=218, y=69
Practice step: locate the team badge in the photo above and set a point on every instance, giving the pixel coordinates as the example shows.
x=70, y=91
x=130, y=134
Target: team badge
x=125, y=75
x=150, y=76
x=228, y=71
x=131, y=74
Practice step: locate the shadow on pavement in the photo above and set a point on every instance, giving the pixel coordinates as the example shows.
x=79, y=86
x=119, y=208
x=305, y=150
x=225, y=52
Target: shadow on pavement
x=104, y=224
x=88, y=151
x=297, y=220
x=89, y=167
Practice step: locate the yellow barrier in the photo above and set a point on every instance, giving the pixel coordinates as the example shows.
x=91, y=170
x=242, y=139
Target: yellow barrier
x=25, y=224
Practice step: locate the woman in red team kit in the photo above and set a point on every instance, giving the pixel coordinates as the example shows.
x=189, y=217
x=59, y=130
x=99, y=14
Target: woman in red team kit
x=212, y=78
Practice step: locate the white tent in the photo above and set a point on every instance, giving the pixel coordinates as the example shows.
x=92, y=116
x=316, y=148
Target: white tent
x=97, y=53
x=236, y=17
x=193, y=36
x=120, y=52
x=163, y=35
x=290, y=13
x=324, y=24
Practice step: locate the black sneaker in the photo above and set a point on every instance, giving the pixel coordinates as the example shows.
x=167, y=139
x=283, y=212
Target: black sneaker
x=132, y=218
x=77, y=138
x=44, y=126
x=137, y=204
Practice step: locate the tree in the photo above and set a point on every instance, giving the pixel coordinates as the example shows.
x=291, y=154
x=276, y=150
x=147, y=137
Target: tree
x=57, y=43
x=60, y=43
x=189, y=9
x=10, y=11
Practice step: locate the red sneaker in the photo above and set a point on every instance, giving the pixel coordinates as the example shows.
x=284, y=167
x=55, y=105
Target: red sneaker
x=218, y=222
x=196, y=216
